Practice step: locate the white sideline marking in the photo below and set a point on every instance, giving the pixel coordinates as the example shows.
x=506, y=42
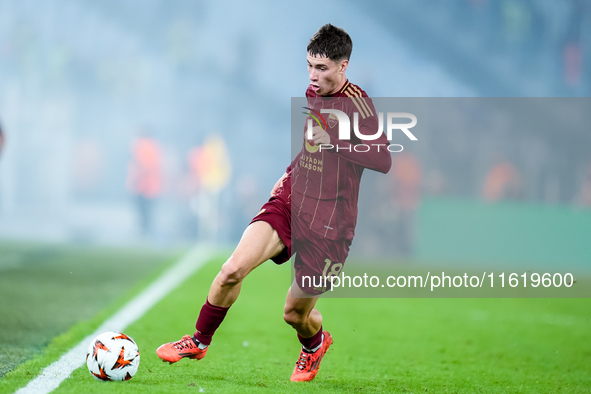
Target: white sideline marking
x=50, y=378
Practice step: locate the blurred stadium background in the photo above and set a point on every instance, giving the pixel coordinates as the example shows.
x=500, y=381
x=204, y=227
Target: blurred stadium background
x=163, y=123
x=195, y=96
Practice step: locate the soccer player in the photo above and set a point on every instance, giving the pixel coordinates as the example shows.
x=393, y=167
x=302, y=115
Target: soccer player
x=312, y=211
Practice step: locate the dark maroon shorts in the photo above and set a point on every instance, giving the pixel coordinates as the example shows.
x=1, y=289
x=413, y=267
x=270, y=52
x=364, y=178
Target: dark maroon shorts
x=316, y=257
x=277, y=212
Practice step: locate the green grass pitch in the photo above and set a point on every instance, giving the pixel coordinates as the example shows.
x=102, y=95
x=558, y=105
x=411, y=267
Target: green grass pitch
x=381, y=345
x=47, y=288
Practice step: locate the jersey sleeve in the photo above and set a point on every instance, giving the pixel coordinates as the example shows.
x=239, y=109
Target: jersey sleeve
x=378, y=156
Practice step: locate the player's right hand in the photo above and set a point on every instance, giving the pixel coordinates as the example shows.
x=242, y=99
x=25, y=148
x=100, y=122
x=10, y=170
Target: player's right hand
x=278, y=185
x=319, y=136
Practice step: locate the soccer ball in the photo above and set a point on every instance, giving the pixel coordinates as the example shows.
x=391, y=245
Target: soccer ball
x=113, y=356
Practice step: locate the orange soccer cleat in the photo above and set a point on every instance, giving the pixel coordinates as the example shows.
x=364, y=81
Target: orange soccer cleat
x=308, y=364
x=186, y=347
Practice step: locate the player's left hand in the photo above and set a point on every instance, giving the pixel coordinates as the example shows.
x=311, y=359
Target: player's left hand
x=319, y=136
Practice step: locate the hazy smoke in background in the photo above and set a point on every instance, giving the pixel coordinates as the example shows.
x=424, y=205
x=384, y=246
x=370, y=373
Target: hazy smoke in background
x=80, y=81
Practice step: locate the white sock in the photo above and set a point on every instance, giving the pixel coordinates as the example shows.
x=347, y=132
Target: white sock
x=199, y=344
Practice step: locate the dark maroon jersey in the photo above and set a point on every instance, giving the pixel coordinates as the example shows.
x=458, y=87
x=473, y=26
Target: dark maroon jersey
x=325, y=182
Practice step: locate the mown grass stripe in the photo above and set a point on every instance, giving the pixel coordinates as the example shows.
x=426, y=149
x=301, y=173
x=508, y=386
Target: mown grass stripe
x=51, y=377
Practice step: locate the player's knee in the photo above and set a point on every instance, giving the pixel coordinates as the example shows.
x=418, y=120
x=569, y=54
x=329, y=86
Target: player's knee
x=231, y=273
x=293, y=318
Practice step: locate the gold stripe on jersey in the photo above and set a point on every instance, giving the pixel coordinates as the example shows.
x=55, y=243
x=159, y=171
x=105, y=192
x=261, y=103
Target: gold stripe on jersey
x=336, y=199
x=319, y=194
x=361, y=109
x=357, y=93
x=362, y=99
x=345, y=87
x=307, y=173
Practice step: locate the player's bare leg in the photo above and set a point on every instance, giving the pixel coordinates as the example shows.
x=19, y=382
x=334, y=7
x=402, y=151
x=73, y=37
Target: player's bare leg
x=259, y=243
x=300, y=313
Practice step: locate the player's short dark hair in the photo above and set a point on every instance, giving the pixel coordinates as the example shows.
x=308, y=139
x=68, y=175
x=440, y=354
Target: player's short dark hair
x=332, y=42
